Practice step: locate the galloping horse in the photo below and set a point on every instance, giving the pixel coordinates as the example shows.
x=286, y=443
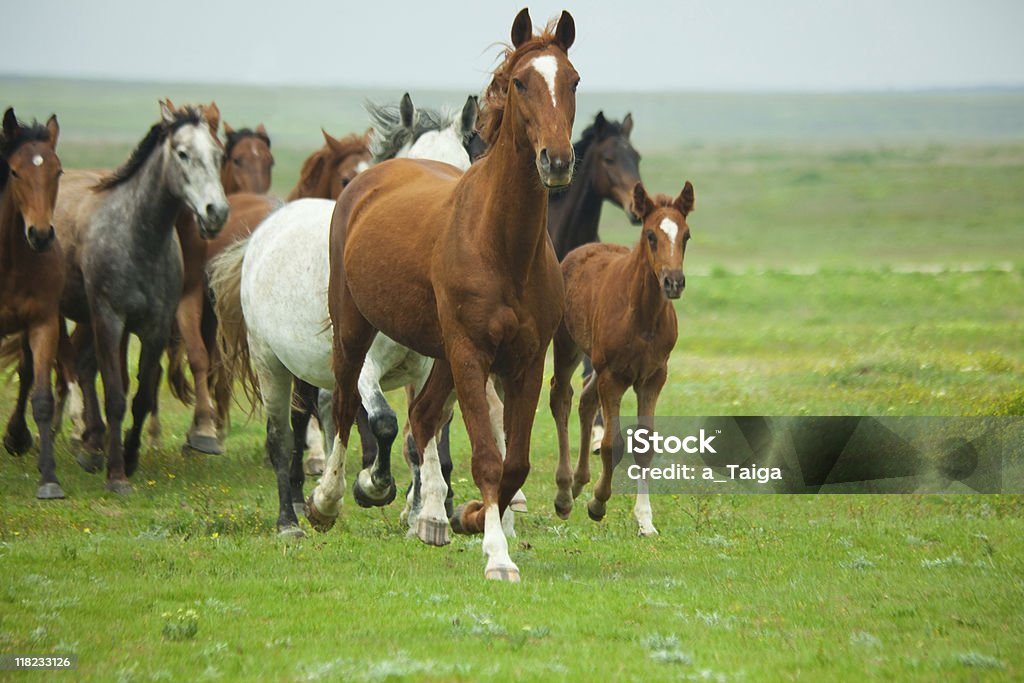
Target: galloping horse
x=480, y=290
x=271, y=301
x=618, y=312
x=31, y=279
x=124, y=270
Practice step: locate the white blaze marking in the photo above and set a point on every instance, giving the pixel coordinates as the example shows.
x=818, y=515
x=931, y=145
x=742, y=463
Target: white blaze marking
x=669, y=227
x=547, y=66
x=37, y=160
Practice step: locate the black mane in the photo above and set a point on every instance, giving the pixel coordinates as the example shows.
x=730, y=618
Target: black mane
x=156, y=135
x=236, y=136
x=36, y=132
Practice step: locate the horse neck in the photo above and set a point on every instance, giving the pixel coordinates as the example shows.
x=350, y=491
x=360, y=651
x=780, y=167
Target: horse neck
x=647, y=303
x=148, y=207
x=573, y=216
x=515, y=219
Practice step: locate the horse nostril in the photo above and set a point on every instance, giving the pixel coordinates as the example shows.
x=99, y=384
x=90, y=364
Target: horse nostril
x=545, y=160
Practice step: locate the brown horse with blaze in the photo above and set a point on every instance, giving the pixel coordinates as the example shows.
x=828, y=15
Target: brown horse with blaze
x=31, y=279
x=618, y=311
x=459, y=267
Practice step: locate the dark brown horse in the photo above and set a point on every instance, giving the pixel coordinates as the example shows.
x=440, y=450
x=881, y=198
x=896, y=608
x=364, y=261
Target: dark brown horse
x=480, y=290
x=618, y=312
x=31, y=280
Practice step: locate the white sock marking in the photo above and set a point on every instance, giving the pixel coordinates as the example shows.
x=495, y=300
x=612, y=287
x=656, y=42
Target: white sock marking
x=328, y=493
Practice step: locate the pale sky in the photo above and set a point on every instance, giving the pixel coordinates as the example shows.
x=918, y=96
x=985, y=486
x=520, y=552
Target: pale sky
x=801, y=45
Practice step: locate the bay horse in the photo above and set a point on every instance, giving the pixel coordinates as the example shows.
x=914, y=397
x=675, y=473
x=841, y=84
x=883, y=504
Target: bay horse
x=479, y=288
x=31, y=280
x=270, y=294
x=124, y=269
x=245, y=175
x=618, y=311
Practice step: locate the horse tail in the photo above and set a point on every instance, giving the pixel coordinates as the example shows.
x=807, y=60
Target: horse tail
x=10, y=351
x=180, y=387
x=225, y=277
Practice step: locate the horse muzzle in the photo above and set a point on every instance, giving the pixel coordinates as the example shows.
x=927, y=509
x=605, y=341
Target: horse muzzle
x=40, y=240
x=212, y=220
x=673, y=285
x=555, y=169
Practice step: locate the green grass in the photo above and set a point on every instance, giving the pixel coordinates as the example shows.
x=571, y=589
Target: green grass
x=850, y=267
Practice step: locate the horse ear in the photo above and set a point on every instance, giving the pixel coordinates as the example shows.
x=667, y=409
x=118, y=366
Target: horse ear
x=260, y=130
x=10, y=123
x=406, y=111
x=641, y=202
x=53, y=128
x=166, y=111
x=565, y=32
x=627, y=125
x=600, y=122
x=332, y=143
x=212, y=113
x=469, y=114
x=684, y=202
x=228, y=130
x=522, y=27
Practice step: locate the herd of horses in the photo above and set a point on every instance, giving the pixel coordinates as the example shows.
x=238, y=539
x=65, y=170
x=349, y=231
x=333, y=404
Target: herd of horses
x=442, y=252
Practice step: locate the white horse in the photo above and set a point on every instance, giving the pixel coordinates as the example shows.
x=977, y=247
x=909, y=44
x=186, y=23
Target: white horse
x=271, y=294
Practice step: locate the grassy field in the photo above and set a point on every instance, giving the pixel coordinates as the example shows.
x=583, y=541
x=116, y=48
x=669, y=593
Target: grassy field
x=869, y=270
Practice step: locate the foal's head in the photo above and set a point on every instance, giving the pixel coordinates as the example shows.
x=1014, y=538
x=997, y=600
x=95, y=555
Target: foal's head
x=665, y=234
x=247, y=160
x=536, y=85
x=194, y=156
x=30, y=169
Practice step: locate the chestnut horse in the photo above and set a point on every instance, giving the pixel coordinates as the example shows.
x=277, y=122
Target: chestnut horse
x=31, y=280
x=479, y=290
x=124, y=271
x=247, y=160
x=618, y=311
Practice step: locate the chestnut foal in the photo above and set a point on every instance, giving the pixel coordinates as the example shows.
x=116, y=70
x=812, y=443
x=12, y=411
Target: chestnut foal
x=618, y=311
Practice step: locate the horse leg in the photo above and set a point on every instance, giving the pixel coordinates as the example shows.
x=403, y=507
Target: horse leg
x=567, y=357
x=89, y=424
x=64, y=377
x=610, y=391
x=276, y=388
x=17, y=437
x=496, y=414
x=374, y=486
x=145, y=398
x=427, y=413
x=303, y=398
x=353, y=336
x=598, y=422
x=315, y=445
x=647, y=401
x=588, y=408
x=108, y=331
x=202, y=433
x=43, y=340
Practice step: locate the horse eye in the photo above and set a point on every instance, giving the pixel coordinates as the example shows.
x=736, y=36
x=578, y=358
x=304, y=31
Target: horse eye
x=686, y=238
x=576, y=85
x=608, y=160
x=182, y=155
x=14, y=174
x=236, y=162
x=653, y=240
x=519, y=85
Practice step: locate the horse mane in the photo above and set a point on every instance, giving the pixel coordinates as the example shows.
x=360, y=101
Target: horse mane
x=389, y=135
x=591, y=134
x=36, y=132
x=662, y=200
x=157, y=134
x=236, y=136
x=492, y=106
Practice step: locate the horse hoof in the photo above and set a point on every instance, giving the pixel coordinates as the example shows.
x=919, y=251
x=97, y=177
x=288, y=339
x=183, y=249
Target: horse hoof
x=203, y=443
x=649, y=532
x=562, y=507
x=510, y=574
x=518, y=503
x=433, y=531
x=449, y=507
x=18, y=444
x=365, y=500
x=90, y=461
x=596, y=509
x=51, y=490
x=119, y=486
x=456, y=520
x=299, y=509
x=315, y=466
x=317, y=520
x=289, y=532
